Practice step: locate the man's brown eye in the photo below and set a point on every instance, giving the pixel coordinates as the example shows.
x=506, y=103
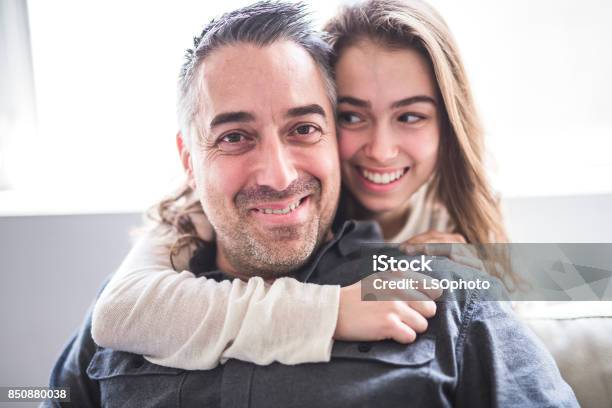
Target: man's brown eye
x=232, y=138
x=234, y=142
x=304, y=129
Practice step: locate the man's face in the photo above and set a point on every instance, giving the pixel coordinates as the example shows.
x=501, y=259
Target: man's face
x=265, y=162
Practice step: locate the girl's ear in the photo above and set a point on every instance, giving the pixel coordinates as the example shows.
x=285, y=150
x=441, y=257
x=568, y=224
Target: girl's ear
x=185, y=159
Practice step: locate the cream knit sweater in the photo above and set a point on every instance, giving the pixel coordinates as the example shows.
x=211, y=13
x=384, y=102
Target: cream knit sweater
x=177, y=320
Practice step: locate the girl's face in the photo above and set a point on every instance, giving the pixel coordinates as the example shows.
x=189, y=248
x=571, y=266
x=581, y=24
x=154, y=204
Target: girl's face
x=388, y=123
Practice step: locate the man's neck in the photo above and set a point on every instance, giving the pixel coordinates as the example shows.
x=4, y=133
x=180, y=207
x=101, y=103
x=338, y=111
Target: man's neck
x=224, y=265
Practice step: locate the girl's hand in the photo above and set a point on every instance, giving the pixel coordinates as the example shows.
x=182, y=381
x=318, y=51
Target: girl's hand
x=360, y=320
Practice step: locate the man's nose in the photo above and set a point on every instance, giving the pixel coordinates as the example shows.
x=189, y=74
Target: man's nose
x=382, y=146
x=277, y=166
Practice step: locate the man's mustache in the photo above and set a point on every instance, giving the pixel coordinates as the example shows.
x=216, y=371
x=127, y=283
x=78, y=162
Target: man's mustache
x=304, y=185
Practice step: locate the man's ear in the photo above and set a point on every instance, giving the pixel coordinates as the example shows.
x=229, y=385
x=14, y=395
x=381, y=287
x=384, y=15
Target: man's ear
x=185, y=156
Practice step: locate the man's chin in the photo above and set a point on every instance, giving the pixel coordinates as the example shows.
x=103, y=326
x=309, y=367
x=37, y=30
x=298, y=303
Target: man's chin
x=287, y=245
x=280, y=233
x=253, y=248
x=271, y=262
x=282, y=249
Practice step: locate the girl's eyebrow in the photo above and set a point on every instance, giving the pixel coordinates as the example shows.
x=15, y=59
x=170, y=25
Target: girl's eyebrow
x=354, y=101
x=413, y=99
x=397, y=104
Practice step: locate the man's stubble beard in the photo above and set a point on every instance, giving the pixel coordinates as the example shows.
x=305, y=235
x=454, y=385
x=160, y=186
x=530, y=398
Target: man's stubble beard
x=270, y=256
x=252, y=252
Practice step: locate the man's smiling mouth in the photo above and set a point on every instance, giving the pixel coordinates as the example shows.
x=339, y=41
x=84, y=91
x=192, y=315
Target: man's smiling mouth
x=271, y=209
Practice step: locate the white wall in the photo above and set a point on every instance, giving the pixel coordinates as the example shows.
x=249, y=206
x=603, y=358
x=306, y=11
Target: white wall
x=559, y=219
x=50, y=270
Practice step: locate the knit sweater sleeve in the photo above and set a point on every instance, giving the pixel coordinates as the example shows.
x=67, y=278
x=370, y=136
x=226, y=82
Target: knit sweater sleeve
x=180, y=320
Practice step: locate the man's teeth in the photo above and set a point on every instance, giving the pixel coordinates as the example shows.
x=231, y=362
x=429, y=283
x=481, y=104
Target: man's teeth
x=382, y=178
x=285, y=210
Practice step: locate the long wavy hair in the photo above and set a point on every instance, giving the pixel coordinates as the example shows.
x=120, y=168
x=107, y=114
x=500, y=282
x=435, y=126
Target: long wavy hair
x=459, y=181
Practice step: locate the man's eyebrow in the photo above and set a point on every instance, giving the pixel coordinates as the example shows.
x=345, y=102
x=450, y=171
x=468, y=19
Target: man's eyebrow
x=229, y=117
x=414, y=99
x=306, y=110
x=354, y=101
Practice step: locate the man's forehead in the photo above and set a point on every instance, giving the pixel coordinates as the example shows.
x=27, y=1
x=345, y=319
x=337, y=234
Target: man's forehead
x=260, y=80
x=238, y=58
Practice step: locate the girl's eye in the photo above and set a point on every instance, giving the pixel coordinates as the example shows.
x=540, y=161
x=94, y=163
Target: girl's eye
x=410, y=118
x=348, y=118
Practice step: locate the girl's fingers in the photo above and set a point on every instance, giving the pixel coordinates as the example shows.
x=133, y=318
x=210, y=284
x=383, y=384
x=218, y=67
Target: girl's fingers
x=407, y=295
x=412, y=318
x=402, y=333
x=425, y=308
x=459, y=238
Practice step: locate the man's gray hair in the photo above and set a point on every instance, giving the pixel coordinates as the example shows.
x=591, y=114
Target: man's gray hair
x=261, y=24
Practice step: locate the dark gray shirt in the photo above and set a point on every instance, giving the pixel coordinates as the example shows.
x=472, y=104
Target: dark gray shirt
x=476, y=353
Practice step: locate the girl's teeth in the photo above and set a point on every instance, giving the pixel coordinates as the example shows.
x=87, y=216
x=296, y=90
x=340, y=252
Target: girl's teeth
x=382, y=178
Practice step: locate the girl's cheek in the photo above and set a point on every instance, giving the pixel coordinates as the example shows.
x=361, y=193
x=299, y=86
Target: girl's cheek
x=424, y=146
